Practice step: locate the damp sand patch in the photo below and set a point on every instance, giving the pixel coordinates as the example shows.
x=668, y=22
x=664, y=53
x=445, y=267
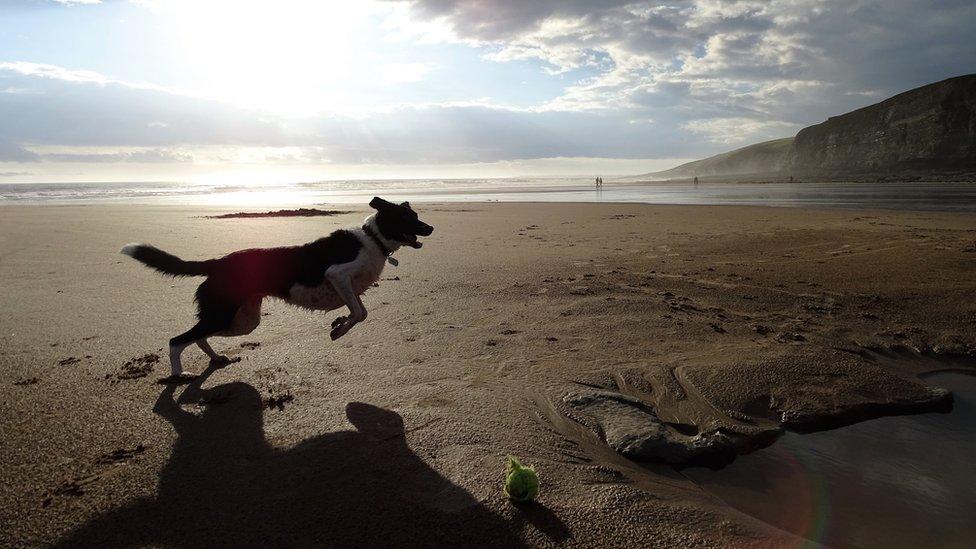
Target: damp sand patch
x=300, y=212
x=899, y=481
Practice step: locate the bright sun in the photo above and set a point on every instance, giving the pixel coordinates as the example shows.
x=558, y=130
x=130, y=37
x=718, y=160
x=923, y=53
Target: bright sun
x=291, y=57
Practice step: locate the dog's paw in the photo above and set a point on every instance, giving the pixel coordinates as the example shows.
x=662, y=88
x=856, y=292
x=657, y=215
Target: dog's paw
x=180, y=379
x=339, y=322
x=339, y=331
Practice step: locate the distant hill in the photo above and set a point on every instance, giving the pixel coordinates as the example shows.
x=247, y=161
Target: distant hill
x=768, y=156
x=928, y=128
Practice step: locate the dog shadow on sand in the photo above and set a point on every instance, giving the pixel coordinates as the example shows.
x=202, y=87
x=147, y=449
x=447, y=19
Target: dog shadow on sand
x=225, y=485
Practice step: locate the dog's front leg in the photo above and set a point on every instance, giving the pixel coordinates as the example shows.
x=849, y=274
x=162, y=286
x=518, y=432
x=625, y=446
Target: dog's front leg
x=342, y=283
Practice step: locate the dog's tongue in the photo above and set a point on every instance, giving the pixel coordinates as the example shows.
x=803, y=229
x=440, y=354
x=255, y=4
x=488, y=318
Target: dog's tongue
x=412, y=241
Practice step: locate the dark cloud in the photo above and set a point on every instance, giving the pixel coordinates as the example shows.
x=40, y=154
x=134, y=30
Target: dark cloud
x=500, y=20
x=482, y=134
x=82, y=113
x=776, y=61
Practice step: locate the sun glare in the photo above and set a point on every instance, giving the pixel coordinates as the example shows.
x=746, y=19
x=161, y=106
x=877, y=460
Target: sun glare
x=290, y=57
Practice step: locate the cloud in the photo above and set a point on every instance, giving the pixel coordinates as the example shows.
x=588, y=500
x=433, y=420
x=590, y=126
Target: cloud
x=53, y=72
x=633, y=80
x=774, y=62
x=728, y=131
x=78, y=2
x=84, y=108
x=146, y=156
x=101, y=116
x=13, y=152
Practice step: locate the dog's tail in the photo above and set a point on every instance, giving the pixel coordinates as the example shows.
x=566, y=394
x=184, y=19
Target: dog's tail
x=166, y=263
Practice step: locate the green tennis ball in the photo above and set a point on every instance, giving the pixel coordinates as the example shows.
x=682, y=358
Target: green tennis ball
x=521, y=483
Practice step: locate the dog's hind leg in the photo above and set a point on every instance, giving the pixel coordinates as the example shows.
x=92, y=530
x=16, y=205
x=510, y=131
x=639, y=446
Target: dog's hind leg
x=216, y=312
x=215, y=319
x=215, y=359
x=201, y=331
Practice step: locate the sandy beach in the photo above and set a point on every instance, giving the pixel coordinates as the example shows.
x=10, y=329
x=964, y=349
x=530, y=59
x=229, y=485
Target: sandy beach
x=556, y=333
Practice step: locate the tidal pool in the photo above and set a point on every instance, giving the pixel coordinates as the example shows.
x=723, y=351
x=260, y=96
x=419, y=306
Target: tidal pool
x=904, y=481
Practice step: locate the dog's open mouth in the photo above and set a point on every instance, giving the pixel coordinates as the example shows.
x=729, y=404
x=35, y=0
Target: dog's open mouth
x=411, y=240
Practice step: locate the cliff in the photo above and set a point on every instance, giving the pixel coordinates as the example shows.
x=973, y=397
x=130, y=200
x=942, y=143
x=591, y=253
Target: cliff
x=929, y=127
x=923, y=131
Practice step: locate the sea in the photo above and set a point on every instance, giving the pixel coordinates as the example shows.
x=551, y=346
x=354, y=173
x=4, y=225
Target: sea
x=919, y=196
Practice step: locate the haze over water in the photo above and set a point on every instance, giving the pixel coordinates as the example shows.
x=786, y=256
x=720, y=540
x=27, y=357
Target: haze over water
x=890, y=196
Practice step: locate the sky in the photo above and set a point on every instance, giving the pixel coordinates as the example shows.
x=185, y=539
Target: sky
x=303, y=90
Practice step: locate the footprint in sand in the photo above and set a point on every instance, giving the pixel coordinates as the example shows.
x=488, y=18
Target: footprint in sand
x=74, y=487
x=787, y=337
x=120, y=456
x=68, y=361
x=435, y=402
x=27, y=381
x=250, y=345
x=135, y=368
x=277, y=401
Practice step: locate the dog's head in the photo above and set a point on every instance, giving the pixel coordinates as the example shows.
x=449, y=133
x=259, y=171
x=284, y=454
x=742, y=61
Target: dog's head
x=399, y=223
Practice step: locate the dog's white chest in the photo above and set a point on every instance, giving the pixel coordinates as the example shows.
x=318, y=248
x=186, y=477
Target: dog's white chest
x=368, y=273
x=322, y=297
x=366, y=270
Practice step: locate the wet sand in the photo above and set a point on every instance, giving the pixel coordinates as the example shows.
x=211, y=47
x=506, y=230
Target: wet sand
x=867, y=485
x=740, y=321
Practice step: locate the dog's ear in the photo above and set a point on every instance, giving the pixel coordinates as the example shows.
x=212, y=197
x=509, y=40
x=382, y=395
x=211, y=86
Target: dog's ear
x=378, y=203
x=405, y=205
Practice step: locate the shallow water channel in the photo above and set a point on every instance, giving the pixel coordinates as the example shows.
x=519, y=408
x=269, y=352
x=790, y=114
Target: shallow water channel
x=904, y=481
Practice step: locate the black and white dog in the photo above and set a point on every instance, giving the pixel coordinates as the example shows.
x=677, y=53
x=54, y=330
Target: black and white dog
x=321, y=275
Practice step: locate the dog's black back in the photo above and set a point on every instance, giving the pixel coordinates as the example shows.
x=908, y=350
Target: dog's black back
x=242, y=275
x=273, y=271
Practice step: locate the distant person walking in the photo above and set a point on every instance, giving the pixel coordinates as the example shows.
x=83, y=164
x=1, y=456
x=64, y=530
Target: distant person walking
x=696, y=180
x=599, y=182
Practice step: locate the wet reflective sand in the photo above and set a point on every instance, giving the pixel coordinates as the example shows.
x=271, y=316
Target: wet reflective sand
x=902, y=481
